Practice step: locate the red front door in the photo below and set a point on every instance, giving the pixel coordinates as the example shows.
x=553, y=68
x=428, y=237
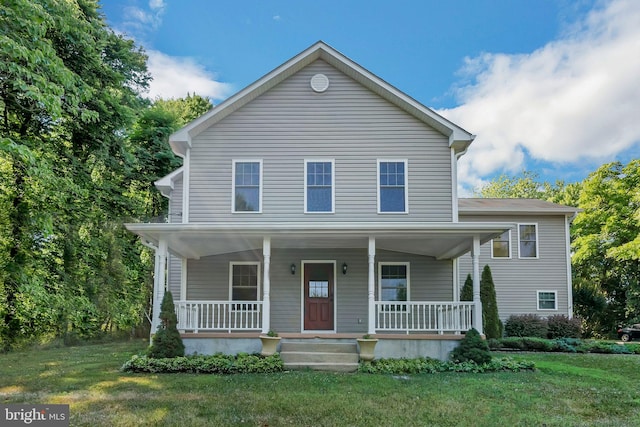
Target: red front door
x=318, y=297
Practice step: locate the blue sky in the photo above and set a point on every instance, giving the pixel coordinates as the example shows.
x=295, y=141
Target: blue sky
x=547, y=85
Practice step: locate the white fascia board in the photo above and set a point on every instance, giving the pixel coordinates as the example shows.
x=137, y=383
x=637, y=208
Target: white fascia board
x=165, y=184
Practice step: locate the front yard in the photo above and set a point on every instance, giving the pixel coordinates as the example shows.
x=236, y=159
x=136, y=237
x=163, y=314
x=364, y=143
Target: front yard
x=566, y=390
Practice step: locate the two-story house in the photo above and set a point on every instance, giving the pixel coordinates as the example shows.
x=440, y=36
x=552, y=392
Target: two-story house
x=320, y=201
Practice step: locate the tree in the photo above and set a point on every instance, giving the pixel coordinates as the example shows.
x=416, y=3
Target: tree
x=68, y=88
x=472, y=349
x=167, y=341
x=466, y=294
x=607, y=247
x=490, y=319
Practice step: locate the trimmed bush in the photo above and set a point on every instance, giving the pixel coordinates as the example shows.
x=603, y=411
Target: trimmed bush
x=490, y=319
x=217, y=364
x=526, y=325
x=166, y=341
x=562, y=345
x=472, y=349
x=560, y=326
x=423, y=365
x=466, y=294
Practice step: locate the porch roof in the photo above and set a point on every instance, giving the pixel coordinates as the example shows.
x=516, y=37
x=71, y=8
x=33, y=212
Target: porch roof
x=441, y=240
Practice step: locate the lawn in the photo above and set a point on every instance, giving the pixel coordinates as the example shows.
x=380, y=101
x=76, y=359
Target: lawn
x=566, y=390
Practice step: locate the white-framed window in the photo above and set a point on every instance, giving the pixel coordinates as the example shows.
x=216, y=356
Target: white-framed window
x=244, y=281
x=501, y=246
x=393, y=283
x=393, y=186
x=547, y=300
x=247, y=186
x=528, y=240
x=319, y=184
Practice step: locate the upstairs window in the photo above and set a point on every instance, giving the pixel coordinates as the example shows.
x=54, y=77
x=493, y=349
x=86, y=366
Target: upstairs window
x=319, y=184
x=392, y=186
x=501, y=246
x=528, y=240
x=247, y=186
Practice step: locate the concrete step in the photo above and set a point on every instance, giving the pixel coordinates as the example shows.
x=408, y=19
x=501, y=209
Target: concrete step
x=315, y=346
x=319, y=366
x=317, y=357
x=320, y=355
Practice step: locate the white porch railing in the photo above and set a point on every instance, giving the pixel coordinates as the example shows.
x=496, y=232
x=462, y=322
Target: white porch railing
x=227, y=316
x=421, y=316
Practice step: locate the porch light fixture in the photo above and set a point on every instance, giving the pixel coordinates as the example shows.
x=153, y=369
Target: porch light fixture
x=344, y=268
x=293, y=269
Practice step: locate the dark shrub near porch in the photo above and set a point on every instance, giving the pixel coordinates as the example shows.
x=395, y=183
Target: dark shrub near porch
x=526, y=325
x=560, y=326
x=472, y=349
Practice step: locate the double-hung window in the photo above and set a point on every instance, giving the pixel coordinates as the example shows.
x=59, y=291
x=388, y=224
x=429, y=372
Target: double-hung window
x=528, y=240
x=319, y=183
x=501, y=246
x=247, y=186
x=547, y=300
x=393, y=281
x=392, y=186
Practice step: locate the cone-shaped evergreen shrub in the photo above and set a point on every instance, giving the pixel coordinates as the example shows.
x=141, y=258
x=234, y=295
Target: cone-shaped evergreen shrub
x=167, y=341
x=467, y=289
x=490, y=319
x=472, y=349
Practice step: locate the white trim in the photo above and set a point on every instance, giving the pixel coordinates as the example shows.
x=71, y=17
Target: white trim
x=233, y=264
x=509, y=240
x=333, y=185
x=555, y=300
x=567, y=234
x=406, y=185
x=233, y=186
x=537, y=241
x=185, y=186
x=455, y=267
x=383, y=263
x=183, y=279
x=454, y=185
x=335, y=297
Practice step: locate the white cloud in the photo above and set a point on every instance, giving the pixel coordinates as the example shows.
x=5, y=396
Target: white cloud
x=276, y=17
x=173, y=77
x=138, y=21
x=575, y=99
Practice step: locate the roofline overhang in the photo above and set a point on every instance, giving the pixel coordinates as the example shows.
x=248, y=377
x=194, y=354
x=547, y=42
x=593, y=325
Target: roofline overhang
x=165, y=184
x=459, y=139
x=464, y=232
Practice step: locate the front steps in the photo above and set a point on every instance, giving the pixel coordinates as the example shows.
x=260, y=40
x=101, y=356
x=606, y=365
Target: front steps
x=319, y=354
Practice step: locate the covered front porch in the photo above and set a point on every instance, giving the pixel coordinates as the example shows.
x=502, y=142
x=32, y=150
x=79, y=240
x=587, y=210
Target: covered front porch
x=320, y=281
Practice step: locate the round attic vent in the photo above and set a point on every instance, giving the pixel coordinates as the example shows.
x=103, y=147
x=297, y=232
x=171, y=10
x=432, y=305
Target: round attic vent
x=319, y=83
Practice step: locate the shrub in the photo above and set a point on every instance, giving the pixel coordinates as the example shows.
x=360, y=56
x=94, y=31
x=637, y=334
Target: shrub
x=560, y=326
x=424, y=365
x=490, y=319
x=466, y=294
x=217, y=364
x=526, y=325
x=166, y=341
x=472, y=349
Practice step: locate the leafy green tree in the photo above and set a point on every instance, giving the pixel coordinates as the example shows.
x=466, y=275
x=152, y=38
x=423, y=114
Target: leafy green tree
x=607, y=247
x=167, y=341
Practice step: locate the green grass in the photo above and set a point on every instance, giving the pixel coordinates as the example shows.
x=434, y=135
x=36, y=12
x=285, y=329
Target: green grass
x=566, y=390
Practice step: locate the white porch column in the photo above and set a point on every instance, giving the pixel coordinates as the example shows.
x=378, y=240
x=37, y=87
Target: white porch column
x=159, y=283
x=477, y=312
x=266, y=302
x=371, y=286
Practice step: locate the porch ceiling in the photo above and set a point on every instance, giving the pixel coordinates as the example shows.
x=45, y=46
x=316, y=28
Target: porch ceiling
x=438, y=240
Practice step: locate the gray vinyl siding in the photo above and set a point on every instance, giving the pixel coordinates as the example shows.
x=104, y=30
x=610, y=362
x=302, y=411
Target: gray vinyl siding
x=175, y=216
x=208, y=279
x=348, y=123
x=518, y=280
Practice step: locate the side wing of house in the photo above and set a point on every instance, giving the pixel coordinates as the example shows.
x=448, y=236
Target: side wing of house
x=530, y=264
